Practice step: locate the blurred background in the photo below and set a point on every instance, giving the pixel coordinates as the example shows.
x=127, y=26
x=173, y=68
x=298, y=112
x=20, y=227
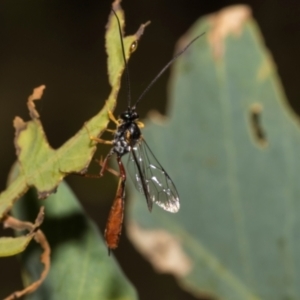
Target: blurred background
x=61, y=44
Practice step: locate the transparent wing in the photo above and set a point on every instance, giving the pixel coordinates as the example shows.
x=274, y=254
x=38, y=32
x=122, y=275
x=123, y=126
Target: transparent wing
x=151, y=179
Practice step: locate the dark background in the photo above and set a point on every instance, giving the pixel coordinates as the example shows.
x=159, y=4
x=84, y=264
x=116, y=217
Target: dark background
x=61, y=44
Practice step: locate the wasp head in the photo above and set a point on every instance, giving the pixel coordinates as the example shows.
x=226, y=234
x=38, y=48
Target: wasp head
x=129, y=115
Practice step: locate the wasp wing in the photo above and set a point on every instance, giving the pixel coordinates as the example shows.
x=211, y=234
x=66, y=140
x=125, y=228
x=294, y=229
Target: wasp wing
x=151, y=179
x=140, y=182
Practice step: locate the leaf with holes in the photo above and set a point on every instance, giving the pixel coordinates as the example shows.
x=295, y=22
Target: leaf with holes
x=80, y=265
x=43, y=167
x=231, y=146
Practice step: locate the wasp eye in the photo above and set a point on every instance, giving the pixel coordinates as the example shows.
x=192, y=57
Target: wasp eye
x=133, y=46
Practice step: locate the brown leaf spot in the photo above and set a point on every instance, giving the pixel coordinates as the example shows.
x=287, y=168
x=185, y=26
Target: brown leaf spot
x=116, y=5
x=45, y=194
x=157, y=117
x=228, y=20
x=19, y=124
x=266, y=68
x=162, y=249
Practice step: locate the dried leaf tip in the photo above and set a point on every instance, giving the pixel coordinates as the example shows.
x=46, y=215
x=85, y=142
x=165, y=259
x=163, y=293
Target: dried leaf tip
x=36, y=95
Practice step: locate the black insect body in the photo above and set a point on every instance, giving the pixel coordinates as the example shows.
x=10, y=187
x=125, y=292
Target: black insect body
x=127, y=134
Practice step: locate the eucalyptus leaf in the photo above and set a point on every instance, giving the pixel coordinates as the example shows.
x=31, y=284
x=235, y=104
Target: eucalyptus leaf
x=80, y=265
x=231, y=145
x=11, y=246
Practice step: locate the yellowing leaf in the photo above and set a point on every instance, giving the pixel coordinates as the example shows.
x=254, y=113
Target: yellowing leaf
x=43, y=167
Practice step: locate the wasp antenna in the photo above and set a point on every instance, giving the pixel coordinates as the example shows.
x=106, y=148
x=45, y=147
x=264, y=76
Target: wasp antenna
x=125, y=62
x=165, y=68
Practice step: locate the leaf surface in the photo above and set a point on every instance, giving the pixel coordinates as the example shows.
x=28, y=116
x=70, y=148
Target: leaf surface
x=80, y=265
x=43, y=167
x=231, y=145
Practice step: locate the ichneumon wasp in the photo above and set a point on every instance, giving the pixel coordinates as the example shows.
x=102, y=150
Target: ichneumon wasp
x=149, y=176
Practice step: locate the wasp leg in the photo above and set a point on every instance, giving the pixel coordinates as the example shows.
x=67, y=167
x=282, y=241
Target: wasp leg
x=110, y=170
x=103, y=163
x=96, y=139
x=110, y=130
x=112, y=118
x=140, y=124
x=80, y=174
x=100, y=141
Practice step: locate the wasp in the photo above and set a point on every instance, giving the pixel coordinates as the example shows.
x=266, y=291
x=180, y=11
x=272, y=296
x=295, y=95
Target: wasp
x=148, y=175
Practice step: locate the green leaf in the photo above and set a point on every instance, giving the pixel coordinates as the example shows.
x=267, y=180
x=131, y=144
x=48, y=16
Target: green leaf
x=12, y=246
x=81, y=268
x=43, y=167
x=80, y=265
x=231, y=146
